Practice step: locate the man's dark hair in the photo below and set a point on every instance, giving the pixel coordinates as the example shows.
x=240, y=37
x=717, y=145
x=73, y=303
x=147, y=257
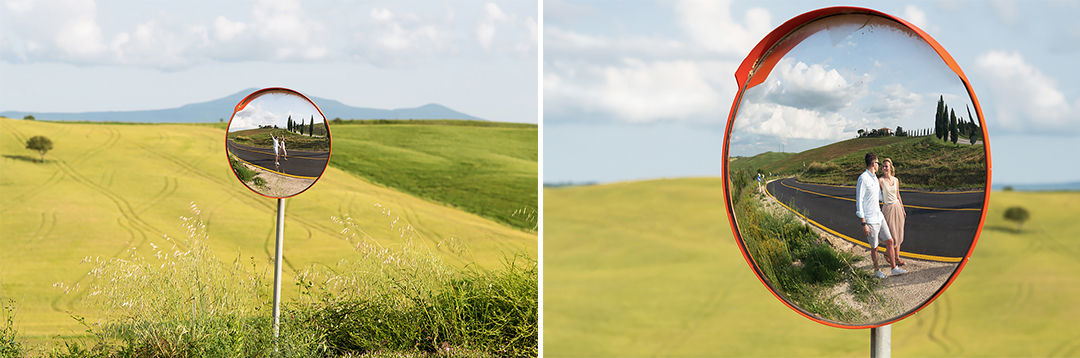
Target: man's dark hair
x=870, y=159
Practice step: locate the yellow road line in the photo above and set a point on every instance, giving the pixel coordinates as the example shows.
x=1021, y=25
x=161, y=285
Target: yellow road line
x=270, y=153
x=906, y=206
x=907, y=190
x=274, y=171
x=857, y=242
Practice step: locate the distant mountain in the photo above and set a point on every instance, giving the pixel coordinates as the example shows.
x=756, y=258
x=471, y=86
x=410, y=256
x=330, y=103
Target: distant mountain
x=211, y=111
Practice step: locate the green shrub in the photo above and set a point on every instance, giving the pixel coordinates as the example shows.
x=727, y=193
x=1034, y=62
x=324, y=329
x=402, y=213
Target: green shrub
x=822, y=265
x=244, y=173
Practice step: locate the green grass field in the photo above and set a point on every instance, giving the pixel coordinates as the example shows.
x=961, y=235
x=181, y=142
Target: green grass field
x=106, y=189
x=651, y=269
x=487, y=170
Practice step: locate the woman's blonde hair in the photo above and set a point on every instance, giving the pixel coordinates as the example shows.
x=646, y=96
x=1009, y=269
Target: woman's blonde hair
x=893, y=167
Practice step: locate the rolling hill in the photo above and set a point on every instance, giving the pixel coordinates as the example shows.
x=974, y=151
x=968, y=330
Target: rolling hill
x=107, y=189
x=923, y=162
x=222, y=108
x=651, y=269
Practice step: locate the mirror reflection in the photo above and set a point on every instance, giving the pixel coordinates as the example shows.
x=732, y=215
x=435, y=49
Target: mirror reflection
x=857, y=170
x=278, y=143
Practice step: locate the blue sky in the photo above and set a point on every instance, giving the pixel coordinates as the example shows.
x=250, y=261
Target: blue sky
x=478, y=57
x=642, y=90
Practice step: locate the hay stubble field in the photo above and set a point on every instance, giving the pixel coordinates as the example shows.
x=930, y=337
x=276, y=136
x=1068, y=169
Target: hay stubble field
x=651, y=268
x=107, y=189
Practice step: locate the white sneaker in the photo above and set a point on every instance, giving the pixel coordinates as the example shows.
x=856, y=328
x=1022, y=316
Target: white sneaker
x=879, y=274
x=898, y=271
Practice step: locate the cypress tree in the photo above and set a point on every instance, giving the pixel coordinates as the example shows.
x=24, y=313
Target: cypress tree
x=311, y=127
x=940, y=115
x=952, y=126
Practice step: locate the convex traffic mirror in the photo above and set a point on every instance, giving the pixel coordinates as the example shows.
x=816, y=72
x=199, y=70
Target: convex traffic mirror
x=857, y=166
x=277, y=142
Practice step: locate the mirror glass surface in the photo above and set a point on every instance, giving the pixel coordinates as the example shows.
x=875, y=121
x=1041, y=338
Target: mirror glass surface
x=825, y=96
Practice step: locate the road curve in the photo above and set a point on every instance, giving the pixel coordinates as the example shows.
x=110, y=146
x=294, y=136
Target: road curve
x=300, y=164
x=940, y=225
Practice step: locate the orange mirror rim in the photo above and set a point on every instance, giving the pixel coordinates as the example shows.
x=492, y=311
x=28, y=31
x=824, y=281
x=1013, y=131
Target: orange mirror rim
x=243, y=104
x=761, y=59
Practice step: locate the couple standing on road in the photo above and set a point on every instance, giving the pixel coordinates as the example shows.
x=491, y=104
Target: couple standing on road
x=884, y=224
x=279, y=149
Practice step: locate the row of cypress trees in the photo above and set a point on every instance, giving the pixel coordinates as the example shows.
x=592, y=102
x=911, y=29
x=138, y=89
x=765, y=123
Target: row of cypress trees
x=948, y=127
x=298, y=127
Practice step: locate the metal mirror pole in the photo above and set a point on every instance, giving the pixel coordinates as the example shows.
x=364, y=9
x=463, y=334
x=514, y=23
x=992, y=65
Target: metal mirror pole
x=881, y=342
x=277, y=265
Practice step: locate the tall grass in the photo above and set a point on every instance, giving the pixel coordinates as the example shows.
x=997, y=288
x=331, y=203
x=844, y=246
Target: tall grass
x=796, y=261
x=406, y=298
x=181, y=301
x=9, y=346
x=184, y=301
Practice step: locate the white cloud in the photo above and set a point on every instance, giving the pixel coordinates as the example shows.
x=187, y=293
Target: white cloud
x=225, y=30
x=518, y=35
x=393, y=38
x=286, y=28
x=65, y=29
x=895, y=103
x=639, y=91
x=917, y=16
x=1025, y=99
x=485, y=30
x=712, y=26
x=797, y=84
x=270, y=30
x=560, y=43
x=252, y=116
x=788, y=122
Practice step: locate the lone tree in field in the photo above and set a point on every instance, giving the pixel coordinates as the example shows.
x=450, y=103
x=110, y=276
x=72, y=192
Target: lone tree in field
x=40, y=144
x=29, y=117
x=1018, y=215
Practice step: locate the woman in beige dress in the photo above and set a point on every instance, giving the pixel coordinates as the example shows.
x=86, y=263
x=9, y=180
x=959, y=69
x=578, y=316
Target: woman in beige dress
x=893, y=208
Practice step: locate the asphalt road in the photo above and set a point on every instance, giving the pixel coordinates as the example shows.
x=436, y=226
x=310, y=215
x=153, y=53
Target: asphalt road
x=300, y=163
x=940, y=225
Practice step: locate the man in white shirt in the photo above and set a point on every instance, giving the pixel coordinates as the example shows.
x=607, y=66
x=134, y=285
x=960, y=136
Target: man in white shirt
x=867, y=196
x=277, y=151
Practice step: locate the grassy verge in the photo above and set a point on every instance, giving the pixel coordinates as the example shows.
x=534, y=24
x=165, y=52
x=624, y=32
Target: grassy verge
x=795, y=260
x=246, y=174
x=184, y=301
